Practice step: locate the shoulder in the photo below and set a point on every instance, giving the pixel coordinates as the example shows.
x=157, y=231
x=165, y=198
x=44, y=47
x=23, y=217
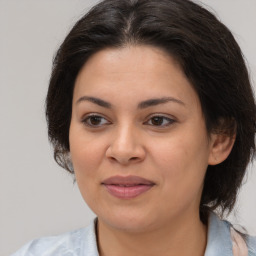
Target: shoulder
x=251, y=243
x=73, y=243
x=243, y=244
x=224, y=240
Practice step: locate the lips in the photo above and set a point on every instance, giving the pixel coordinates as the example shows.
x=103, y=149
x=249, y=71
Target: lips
x=127, y=187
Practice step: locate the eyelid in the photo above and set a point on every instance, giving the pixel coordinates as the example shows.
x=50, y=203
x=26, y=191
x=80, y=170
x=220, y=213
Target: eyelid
x=87, y=116
x=167, y=117
x=164, y=116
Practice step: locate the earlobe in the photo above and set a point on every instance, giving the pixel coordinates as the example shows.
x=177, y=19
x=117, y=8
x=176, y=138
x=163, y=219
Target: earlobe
x=221, y=146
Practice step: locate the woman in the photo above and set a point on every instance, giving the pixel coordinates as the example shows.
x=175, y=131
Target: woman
x=150, y=106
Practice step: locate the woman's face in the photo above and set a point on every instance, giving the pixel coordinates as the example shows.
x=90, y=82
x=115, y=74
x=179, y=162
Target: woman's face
x=138, y=140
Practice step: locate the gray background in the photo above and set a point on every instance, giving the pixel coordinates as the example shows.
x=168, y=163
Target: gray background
x=37, y=197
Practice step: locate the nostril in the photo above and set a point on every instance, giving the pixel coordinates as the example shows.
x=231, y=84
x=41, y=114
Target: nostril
x=124, y=155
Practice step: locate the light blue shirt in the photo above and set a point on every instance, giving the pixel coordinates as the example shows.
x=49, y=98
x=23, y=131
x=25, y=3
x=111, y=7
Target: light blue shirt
x=82, y=242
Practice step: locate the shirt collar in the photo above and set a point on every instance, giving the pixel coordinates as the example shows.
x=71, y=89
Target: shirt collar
x=218, y=237
x=89, y=244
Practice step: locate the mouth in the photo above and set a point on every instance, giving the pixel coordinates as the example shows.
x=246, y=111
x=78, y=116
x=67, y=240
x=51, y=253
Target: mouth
x=127, y=187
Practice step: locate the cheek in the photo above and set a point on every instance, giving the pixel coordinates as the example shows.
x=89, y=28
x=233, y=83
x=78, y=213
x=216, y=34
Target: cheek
x=172, y=154
x=181, y=177
x=187, y=146
x=86, y=159
x=86, y=151
x=182, y=165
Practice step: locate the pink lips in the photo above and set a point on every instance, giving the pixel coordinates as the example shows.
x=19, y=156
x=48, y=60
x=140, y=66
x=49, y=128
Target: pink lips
x=127, y=187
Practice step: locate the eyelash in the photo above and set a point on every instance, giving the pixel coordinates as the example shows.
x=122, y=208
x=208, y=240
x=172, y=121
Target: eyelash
x=88, y=118
x=169, y=120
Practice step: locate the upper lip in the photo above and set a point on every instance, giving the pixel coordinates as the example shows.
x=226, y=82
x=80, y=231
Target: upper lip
x=127, y=180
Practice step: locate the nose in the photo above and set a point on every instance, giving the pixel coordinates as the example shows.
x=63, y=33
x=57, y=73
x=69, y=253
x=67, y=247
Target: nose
x=126, y=147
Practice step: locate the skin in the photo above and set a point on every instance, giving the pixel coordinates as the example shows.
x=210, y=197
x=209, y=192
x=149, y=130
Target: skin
x=126, y=140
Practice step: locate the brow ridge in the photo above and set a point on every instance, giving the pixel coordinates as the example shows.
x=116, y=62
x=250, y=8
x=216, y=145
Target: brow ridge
x=158, y=101
x=94, y=100
x=141, y=105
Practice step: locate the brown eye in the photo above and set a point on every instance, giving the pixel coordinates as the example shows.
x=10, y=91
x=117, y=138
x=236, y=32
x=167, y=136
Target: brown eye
x=95, y=121
x=160, y=121
x=157, y=120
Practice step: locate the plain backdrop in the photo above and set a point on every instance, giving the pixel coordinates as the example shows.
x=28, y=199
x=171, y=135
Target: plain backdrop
x=38, y=198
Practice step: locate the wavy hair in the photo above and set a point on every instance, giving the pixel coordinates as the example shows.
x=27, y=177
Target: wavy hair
x=207, y=53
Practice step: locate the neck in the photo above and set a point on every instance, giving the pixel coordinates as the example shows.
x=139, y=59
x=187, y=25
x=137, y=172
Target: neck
x=183, y=237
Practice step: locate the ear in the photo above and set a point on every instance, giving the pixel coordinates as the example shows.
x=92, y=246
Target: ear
x=220, y=148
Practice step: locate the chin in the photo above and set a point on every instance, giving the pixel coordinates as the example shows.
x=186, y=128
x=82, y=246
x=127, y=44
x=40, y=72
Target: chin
x=129, y=222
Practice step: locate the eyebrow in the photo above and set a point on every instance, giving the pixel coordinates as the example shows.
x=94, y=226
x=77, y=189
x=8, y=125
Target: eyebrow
x=157, y=101
x=141, y=105
x=94, y=100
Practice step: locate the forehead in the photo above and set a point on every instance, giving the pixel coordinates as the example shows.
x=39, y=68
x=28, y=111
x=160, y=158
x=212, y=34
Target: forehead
x=130, y=60
x=135, y=72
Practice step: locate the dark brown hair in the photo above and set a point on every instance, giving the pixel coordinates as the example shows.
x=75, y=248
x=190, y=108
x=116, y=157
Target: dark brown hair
x=208, y=55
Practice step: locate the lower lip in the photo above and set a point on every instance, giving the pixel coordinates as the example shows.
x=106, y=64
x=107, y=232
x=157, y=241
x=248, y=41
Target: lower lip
x=127, y=192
